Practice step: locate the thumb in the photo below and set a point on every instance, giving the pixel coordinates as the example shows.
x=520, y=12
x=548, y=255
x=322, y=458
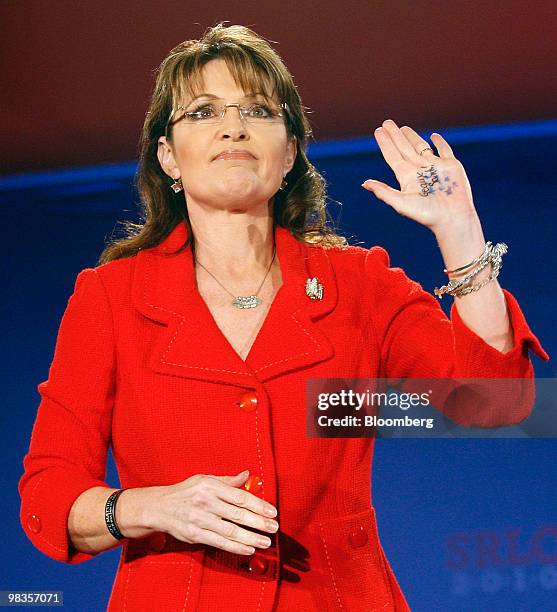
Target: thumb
x=235, y=480
x=389, y=195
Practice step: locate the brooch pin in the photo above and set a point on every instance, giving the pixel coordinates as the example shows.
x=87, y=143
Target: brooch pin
x=314, y=289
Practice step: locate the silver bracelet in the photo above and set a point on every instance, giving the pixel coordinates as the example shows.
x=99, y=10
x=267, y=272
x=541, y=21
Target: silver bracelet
x=491, y=255
x=457, y=270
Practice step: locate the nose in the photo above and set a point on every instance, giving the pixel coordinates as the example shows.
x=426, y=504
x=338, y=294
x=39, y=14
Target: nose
x=233, y=126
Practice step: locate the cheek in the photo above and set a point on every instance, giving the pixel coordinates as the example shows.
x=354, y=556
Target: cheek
x=191, y=153
x=275, y=159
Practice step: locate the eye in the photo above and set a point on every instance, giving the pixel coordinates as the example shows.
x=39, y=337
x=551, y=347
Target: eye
x=204, y=111
x=260, y=111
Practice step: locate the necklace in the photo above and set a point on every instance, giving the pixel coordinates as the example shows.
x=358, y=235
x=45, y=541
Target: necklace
x=244, y=301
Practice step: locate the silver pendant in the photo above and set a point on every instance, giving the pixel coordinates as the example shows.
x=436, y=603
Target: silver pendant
x=314, y=289
x=246, y=301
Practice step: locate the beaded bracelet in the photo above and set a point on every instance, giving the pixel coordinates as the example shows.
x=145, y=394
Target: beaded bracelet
x=110, y=514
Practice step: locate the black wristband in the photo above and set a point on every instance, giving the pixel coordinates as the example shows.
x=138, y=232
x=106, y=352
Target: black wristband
x=110, y=514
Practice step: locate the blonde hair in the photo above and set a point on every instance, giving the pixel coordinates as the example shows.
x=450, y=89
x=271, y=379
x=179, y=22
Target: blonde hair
x=255, y=66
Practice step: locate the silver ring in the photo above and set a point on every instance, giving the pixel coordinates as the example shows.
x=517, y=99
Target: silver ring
x=426, y=149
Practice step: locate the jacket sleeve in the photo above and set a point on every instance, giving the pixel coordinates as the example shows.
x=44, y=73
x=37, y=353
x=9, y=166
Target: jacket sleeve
x=71, y=434
x=417, y=340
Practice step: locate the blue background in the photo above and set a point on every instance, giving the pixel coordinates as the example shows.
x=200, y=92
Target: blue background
x=428, y=494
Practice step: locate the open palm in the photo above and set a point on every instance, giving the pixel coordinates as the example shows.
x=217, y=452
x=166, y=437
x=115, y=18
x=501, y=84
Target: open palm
x=434, y=189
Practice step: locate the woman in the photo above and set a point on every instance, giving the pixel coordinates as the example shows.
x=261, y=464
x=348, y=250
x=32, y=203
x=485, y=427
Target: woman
x=189, y=347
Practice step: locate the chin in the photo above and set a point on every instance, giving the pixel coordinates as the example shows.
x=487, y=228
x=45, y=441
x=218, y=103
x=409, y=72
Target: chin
x=241, y=204
x=241, y=192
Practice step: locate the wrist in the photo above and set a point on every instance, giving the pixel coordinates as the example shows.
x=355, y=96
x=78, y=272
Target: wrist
x=460, y=243
x=132, y=512
x=455, y=226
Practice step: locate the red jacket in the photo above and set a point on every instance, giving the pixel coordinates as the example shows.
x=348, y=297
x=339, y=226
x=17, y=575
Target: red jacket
x=141, y=365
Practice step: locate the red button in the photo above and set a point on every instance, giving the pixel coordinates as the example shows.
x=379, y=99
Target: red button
x=253, y=484
x=258, y=565
x=248, y=401
x=358, y=537
x=34, y=523
x=157, y=541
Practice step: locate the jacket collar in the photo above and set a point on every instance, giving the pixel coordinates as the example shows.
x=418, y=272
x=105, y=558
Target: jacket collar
x=192, y=345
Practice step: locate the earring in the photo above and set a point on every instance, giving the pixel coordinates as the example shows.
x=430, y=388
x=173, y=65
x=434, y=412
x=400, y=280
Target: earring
x=177, y=185
x=283, y=185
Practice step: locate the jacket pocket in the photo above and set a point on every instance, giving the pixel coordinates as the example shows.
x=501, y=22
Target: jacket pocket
x=158, y=573
x=351, y=574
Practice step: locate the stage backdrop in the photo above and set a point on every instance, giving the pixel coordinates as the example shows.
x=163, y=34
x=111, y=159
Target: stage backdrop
x=466, y=524
x=76, y=76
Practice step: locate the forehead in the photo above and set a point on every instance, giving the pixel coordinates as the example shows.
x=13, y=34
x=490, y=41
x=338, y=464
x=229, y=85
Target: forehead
x=222, y=79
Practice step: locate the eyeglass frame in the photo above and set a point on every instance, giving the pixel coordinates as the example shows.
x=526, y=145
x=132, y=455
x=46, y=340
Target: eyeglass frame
x=282, y=113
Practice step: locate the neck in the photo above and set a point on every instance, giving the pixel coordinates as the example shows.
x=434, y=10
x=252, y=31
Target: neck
x=237, y=245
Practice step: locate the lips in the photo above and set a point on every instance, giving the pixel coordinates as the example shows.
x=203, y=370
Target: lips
x=234, y=154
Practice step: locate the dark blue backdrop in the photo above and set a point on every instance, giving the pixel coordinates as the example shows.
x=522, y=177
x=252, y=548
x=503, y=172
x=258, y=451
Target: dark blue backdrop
x=466, y=524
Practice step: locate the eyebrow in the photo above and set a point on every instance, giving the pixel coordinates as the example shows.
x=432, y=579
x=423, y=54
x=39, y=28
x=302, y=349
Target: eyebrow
x=213, y=97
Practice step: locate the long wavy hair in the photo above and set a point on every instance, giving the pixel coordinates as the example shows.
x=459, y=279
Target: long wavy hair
x=255, y=66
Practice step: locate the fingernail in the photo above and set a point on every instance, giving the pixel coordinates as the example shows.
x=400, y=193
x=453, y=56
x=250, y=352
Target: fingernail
x=271, y=511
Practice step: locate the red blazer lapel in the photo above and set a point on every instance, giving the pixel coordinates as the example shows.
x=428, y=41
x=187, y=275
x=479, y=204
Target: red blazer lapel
x=289, y=338
x=191, y=344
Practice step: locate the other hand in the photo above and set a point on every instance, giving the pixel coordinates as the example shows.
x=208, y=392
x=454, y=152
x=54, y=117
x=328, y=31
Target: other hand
x=209, y=509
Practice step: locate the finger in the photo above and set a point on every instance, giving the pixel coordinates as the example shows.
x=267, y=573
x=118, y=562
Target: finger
x=232, y=479
x=233, y=532
x=445, y=151
x=243, y=516
x=390, y=196
x=404, y=146
x=206, y=536
x=417, y=142
x=244, y=499
x=388, y=149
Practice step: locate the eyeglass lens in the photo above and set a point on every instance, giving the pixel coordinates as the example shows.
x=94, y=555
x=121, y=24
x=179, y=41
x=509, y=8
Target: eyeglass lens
x=257, y=110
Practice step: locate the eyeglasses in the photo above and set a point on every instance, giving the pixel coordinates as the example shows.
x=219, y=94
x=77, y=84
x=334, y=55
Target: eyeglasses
x=212, y=112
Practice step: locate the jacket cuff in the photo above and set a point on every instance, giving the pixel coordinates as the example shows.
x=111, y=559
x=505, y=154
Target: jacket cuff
x=479, y=356
x=44, y=517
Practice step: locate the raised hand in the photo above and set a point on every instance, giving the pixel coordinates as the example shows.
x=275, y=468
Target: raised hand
x=435, y=190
